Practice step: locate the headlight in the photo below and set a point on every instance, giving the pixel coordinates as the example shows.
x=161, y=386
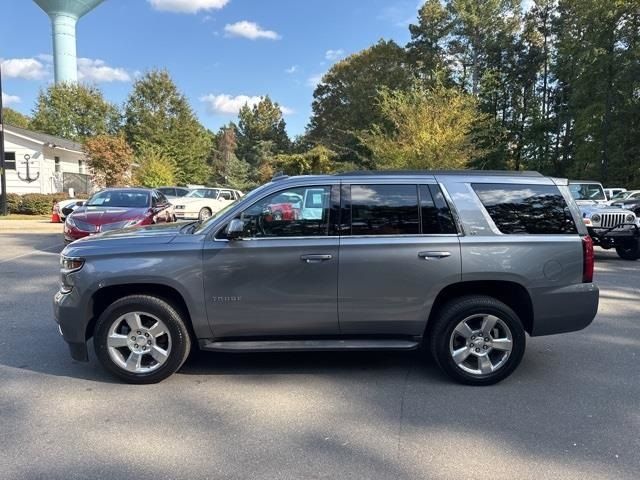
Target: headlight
x=71, y=264
x=596, y=218
x=630, y=218
x=179, y=207
x=70, y=222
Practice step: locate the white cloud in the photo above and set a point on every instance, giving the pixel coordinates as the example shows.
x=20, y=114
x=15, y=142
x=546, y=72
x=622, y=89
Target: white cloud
x=9, y=99
x=333, y=55
x=250, y=30
x=27, y=68
x=314, y=80
x=187, y=6
x=231, y=105
x=291, y=69
x=98, y=71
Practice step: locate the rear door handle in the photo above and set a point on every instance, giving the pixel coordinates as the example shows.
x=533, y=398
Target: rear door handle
x=315, y=258
x=433, y=255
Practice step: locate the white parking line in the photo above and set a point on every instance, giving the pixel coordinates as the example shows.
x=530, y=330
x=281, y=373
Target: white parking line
x=42, y=251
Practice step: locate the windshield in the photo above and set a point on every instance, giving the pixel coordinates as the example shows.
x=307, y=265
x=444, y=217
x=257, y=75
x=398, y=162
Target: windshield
x=204, y=193
x=120, y=199
x=587, y=191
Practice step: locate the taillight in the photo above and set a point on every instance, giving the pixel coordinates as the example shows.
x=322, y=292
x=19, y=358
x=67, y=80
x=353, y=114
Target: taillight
x=587, y=259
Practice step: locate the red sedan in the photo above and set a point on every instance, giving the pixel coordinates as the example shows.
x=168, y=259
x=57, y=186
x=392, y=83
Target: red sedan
x=116, y=208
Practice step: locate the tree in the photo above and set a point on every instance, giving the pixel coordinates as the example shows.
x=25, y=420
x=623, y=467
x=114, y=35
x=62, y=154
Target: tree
x=109, y=158
x=15, y=118
x=427, y=49
x=157, y=113
x=227, y=169
x=318, y=160
x=153, y=168
x=344, y=101
x=431, y=128
x=74, y=112
x=258, y=124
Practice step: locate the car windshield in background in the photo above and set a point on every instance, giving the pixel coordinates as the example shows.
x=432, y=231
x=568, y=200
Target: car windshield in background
x=587, y=191
x=204, y=193
x=120, y=199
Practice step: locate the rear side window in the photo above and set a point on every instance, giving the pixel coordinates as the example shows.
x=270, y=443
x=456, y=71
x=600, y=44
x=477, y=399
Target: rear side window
x=384, y=210
x=435, y=215
x=526, y=209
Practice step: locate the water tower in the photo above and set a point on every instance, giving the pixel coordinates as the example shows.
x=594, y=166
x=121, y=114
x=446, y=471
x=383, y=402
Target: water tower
x=64, y=15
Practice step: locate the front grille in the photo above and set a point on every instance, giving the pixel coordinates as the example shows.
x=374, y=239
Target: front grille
x=610, y=220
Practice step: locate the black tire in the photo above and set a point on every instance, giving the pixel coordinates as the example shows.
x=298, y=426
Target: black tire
x=204, y=214
x=630, y=250
x=447, y=319
x=177, y=330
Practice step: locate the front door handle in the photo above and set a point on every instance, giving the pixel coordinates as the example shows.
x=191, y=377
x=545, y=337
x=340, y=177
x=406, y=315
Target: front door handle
x=433, y=255
x=315, y=258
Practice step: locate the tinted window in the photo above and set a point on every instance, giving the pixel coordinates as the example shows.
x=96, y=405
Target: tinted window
x=532, y=209
x=181, y=192
x=162, y=199
x=435, y=213
x=384, y=210
x=167, y=191
x=283, y=215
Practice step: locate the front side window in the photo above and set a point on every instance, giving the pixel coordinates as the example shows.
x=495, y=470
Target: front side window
x=384, y=210
x=526, y=209
x=284, y=214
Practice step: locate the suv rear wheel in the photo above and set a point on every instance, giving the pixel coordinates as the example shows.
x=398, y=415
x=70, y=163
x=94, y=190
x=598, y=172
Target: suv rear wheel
x=141, y=339
x=477, y=340
x=630, y=250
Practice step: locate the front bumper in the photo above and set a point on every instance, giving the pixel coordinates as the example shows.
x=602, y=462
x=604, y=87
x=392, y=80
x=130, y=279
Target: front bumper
x=186, y=215
x=71, y=325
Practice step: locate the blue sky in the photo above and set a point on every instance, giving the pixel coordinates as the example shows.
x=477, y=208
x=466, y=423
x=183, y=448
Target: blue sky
x=218, y=55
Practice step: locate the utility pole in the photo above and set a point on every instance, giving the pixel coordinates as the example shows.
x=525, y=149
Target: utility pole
x=3, y=175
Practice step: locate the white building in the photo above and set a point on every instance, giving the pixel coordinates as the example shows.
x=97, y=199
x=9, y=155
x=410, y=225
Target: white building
x=40, y=163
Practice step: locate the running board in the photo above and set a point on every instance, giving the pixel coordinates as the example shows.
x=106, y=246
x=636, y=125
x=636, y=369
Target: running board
x=306, y=345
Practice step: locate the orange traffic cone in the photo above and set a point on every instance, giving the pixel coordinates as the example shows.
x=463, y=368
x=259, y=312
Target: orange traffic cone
x=55, y=214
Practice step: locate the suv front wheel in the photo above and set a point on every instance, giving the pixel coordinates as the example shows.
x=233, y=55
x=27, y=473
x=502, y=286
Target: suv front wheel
x=477, y=340
x=141, y=339
x=630, y=250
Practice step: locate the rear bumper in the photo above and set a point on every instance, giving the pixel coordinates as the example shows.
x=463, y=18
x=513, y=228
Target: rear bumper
x=563, y=309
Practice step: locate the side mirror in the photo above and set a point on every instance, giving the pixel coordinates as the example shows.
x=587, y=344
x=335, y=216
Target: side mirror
x=79, y=204
x=235, y=229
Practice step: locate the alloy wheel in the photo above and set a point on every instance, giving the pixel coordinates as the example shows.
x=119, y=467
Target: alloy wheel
x=139, y=342
x=481, y=344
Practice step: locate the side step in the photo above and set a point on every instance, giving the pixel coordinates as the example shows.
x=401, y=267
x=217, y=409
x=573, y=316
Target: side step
x=306, y=345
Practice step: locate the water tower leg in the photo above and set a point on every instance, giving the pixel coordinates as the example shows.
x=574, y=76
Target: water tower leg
x=64, y=47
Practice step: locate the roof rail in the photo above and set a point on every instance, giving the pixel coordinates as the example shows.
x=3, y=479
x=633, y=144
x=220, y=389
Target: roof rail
x=521, y=173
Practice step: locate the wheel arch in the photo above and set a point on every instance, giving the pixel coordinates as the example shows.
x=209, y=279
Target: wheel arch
x=510, y=293
x=105, y=296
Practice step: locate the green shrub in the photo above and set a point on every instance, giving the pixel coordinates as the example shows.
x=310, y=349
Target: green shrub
x=39, y=203
x=13, y=202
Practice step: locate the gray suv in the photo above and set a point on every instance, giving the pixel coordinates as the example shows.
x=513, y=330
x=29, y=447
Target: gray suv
x=462, y=263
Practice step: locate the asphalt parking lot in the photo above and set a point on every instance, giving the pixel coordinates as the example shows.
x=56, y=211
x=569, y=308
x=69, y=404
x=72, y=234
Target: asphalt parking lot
x=571, y=411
